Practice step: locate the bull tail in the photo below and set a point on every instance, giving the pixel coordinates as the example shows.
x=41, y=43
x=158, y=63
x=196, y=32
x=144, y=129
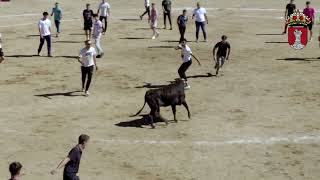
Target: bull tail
x=140, y=109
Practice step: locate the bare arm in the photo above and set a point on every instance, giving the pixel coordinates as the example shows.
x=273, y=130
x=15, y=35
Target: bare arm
x=229, y=50
x=61, y=164
x=205, y=15
x=214, y=53
x=95, y=62
x=196, y=59
x=285, y=14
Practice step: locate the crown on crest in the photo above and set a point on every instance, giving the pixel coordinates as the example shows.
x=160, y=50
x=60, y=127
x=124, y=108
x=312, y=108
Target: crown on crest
x=298, y=18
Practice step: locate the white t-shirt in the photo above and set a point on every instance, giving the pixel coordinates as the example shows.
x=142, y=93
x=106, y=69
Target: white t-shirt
x=199, y=14
x=87, y=56
x=97, y=29
x=146, y=3
x=186, y=52
x=104, y=9
x=44, y=26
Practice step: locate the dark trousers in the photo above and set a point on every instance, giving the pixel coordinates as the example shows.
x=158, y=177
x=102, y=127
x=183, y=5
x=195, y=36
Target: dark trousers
x=48, y=39
x=70, y=177
x=105, y=22
x=182, y=31
x=86, y=71
x=183, y=68
x=147, y=11
x=57, y=23
x=168, y=13
x=203, y=28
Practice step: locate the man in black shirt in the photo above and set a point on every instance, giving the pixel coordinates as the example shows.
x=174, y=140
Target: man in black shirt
x=72, y=162
x=87, y=19
x=166, y=6
x=222, y=54
x=289, y=10
x=182, y=23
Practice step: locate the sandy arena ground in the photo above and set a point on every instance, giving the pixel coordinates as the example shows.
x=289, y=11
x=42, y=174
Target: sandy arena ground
x=258, y=120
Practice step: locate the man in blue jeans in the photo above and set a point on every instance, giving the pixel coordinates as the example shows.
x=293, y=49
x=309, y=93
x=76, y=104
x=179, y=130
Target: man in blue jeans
x=45, y=33
x=57, y=12
x=200, y=16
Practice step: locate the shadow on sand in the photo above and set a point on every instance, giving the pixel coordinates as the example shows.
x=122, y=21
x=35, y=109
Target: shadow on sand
x=161, y=47
x=270, y=34
x=67, y=94
x=134, y=38
x=150, y=86
x=300, y=59
x=276, y=42
x=208, y=75
x=137, y=123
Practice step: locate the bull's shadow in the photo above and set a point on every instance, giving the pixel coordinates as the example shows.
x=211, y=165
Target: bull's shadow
x=138, y=123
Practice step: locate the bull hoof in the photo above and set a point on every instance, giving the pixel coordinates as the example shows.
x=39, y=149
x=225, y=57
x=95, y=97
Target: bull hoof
x=176, y=121
x=153, y=127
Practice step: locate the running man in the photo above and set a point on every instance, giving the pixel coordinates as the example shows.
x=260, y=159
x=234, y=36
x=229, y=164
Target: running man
x=72, y=162
x=45, y=33
x=186, y=55
x=87, y=18
x=182, y=23
x=201, y=19
x=154, y=21
x=97, y=31
x=57, y=12
x=15, y=171
x=1, y=51
x=166, y=7
x=104, y=10
x=147, y=6
x=289, y=10
x=88, y=62
x=222, y=54
x=311, y=13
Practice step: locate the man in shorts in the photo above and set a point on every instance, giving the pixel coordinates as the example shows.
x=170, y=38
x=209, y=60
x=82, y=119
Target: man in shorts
x=289, y=10
x=104, y=10
x=186, y=55
x=166, y=6
x=87, y=18
x=222, y=54
x=57, y=12
x=1, y=51
x=45, y=33
x=15, y=171
x=72, y=162
x=311, y=13
x=97, y=32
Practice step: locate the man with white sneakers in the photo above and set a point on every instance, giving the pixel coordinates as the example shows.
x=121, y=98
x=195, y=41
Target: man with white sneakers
x=200, y=16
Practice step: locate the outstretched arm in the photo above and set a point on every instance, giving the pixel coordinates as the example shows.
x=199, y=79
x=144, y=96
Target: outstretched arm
x=196, y=59
x=61, y=164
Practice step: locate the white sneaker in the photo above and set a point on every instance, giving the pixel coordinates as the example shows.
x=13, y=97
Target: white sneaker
x=197, y=40
x=83, y=90
x=87, y=93
x=187, y=87
x=153, y=37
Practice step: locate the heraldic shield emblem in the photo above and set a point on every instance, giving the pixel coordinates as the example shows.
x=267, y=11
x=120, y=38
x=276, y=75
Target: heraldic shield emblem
x=298, y=31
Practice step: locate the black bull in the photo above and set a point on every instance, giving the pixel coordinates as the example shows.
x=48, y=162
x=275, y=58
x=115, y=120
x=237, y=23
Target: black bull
x=170, y=95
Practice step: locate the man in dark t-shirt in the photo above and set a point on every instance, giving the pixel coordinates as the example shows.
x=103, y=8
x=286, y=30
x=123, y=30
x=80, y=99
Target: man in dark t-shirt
x=166, y=6
x=182, y=23
x=289, y=10
x=72, y=162
x=87, y=19
x=222, y=54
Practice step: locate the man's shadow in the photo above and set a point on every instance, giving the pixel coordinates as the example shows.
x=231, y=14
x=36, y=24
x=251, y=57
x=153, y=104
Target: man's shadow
x=208, y=75
x=68, y=94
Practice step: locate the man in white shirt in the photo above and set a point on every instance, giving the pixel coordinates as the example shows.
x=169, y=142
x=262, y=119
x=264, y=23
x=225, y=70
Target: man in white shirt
x=186, y=55
x=104, y=10
x=45, y=33
x=147, y=6
x=200, y=16
x=97, y=30
x=87, y=59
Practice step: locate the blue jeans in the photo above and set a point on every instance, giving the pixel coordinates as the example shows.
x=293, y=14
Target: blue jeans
x=48, y=39
x=203, y=27
x=57, y=23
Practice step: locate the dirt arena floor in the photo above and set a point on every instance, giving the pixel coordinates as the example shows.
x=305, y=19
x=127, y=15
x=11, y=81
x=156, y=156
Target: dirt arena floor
x=258, y=120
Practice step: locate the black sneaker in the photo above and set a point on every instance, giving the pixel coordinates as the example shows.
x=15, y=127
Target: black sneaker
x=98, y=56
